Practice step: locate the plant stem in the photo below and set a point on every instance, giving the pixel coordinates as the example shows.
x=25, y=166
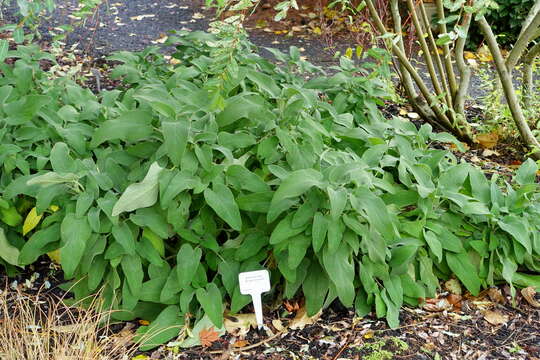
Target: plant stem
x=426, y=53
x=528, y=32
x=432, y=108
x=446, y=51
x=464, y=69
x=509, y=91
x=433, y=45
x=528, y=86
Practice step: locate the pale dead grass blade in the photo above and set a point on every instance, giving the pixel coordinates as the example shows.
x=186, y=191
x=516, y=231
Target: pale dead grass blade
x=39, y=327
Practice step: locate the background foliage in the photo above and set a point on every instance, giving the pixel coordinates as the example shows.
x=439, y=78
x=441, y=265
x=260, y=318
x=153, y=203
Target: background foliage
x=505, y=21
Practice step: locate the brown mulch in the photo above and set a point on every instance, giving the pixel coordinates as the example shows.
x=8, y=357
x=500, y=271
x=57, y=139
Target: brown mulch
x=449, y=327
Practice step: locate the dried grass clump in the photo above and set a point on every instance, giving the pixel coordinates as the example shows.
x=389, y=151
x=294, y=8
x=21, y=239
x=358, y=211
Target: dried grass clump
x=40, y=327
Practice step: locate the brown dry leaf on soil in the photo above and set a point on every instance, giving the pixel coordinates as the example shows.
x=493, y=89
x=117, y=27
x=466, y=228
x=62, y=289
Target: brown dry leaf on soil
x=529, y=294
x=302, y=319
x=496, y=295
x=208, y=336
x=291, y=307
x=495, y=317
x=240, y=343
x=240, y=324
x=278, y=325
x=437, y=305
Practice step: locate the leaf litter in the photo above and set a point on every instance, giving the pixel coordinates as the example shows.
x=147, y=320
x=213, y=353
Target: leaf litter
x=454, y=327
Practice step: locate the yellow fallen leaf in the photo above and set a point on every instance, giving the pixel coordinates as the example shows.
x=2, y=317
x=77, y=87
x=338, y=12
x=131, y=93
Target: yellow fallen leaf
x=278, y=325
x=317, y=30
x=437, y=305
x=369, y=334
x=140, y=357
x=54, y=256
x=484, y=54
x=469, y=55
x=240, y=343
x=488, y=141
x=496, y=295
x=359, y=51
x=349, y=53
x=32, y=220
x=485, y=57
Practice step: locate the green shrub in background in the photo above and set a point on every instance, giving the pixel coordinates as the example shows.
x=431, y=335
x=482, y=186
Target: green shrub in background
x=505, y=21
x=31, y=13
x=161, y=192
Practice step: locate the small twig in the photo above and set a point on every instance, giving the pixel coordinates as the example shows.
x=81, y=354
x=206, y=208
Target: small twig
x=250, y=346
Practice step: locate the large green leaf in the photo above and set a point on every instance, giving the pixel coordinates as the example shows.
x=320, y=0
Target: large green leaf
x=187, y=261
x=365, y=202
x=212, y=303
x=166, y=326
x=8, y=252
x=131, y=126
x=74, y=233
x=33, y=248
x=175, y=134
x=140, y=195
x=461, y=265
x=340, y=270
x=315, y=288
x=221, y=200
x=123, y=235
x=518, y=229
x=295, y=184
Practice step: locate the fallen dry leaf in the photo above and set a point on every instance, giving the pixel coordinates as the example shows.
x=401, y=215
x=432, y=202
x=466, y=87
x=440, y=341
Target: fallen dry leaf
x=240, y=343
x=140, y=17
x=529, y=294
x=437, y=305
x=302, y=319
x=208, y=336
x=291, y=307
x=495, y=317
x=453, y=147
x=144, y=322
x=278, y=325
x=240, y=324
x=469, y=55
x=369, y=334
x=488, y=152
x=488, y=141
x=453, y=286
x=496, y=295
x=455, y=300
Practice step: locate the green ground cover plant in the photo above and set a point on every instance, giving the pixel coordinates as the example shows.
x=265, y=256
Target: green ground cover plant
x=161, y=191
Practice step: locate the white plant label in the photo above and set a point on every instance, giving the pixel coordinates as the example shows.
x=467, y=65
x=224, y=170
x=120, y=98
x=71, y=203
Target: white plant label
x=255, y=283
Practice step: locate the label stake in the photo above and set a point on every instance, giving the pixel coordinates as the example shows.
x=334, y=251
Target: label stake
x=255, y=283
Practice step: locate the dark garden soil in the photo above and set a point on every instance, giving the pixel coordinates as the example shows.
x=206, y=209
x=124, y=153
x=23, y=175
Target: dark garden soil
x=489, y=326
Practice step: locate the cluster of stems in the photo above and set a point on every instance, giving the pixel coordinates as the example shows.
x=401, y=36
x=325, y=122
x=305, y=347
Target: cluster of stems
x=442, y=103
